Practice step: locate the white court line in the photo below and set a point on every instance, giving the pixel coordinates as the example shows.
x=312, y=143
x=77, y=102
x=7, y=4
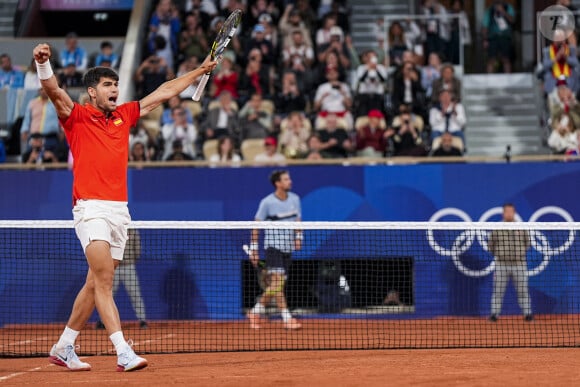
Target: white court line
x=135, y=344
x=4, y=378
x=154, y=340
x=23, y=342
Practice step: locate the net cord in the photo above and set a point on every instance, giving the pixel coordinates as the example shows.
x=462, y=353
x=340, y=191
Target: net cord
x=249, y=225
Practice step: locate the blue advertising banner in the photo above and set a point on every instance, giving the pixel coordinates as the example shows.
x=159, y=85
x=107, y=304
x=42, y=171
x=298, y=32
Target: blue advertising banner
x=88, y=5
x=329, y=193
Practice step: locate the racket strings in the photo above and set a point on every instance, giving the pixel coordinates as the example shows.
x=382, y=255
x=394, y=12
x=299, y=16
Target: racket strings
x=228, y=28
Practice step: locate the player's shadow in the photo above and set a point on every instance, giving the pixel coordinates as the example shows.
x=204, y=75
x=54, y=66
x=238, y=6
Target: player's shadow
x=67, y=300
x=180, y=292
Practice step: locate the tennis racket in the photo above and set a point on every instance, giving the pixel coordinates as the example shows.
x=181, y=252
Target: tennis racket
x=223, y=38
x=261, y=272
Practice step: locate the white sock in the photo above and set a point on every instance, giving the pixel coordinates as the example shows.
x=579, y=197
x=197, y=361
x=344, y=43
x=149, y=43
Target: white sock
x=286, y=316
x=119, y=342
x=68, y=337
x=259, y=308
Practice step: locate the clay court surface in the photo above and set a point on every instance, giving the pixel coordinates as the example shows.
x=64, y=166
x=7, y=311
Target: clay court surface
x=300, y=366
x=455, y=367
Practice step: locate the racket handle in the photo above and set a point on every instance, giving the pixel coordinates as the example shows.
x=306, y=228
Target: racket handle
x=200, y=87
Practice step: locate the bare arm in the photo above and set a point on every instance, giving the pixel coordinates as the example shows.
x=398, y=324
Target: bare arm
x=254, y=255
x=174, y=87
x=298, y=237
x=61, y=100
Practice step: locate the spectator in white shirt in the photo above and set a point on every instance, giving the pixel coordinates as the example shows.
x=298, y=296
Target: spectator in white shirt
x=563, y=137
x=226, y=154
x=334, y=97
x=179, y=130
x=447, y=116
x=371, y=77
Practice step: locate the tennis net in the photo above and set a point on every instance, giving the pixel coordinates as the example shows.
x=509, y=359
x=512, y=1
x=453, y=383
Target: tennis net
x=352, y=285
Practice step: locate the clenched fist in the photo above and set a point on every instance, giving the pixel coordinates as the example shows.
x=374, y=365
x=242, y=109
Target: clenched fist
x=41, y=53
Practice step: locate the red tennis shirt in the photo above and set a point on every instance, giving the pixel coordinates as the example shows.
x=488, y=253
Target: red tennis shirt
x=100, y=148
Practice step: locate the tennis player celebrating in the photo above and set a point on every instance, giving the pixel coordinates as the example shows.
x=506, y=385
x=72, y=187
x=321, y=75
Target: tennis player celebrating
x=281, y=205
x=98, y=136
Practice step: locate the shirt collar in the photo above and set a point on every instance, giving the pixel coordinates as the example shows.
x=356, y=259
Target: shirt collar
x=96, y=112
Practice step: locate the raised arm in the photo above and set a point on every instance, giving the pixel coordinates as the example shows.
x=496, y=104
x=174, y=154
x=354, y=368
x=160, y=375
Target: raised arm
x=61, y=100
x=174, y=87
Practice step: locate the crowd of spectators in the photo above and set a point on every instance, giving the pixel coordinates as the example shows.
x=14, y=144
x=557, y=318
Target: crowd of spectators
x=559, y=75
x=291, y=80
x=37, y=133
x=293, y=86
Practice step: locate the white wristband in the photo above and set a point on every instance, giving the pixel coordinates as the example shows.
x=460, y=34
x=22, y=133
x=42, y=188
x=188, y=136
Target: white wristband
x=254, y=246
x=44, y=70
x=299, y=235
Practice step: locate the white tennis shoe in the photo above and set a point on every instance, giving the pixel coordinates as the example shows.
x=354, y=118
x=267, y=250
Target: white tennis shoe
x=67, y=357
x=129, y=361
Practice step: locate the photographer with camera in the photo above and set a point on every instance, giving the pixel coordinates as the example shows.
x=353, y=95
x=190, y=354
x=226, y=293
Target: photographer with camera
x=498, y=22
x=407, y=127
x=335, y=97
x=151, y=73
x=256, y=78
x=371, y=77
x=336, y=45
x=298, y=56
x=37, y=153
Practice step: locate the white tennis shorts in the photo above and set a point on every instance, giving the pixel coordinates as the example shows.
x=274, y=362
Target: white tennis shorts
x=102, y=220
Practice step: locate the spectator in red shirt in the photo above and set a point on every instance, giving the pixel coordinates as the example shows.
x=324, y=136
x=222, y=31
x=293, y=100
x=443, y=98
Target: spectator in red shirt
x=372, y=138
x=226, y=79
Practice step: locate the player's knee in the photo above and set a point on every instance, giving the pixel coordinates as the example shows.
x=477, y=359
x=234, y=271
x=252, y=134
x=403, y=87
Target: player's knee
x=103, y=280
x=90, y=283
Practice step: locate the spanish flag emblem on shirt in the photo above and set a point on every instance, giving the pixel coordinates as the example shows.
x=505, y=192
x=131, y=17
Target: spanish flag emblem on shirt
x=118, y=121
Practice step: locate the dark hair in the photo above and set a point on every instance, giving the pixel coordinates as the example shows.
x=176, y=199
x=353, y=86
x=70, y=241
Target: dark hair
x=508, y=204
x=276, y=175
x=178, y=107
x=391, y=32
x=223, y=139
x=159, y=42
x=94, y=75
x=106, y=44
x=314, y=135
x=404, y=109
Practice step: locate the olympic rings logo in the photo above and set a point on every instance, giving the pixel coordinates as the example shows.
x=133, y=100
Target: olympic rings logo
x=465, y=240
